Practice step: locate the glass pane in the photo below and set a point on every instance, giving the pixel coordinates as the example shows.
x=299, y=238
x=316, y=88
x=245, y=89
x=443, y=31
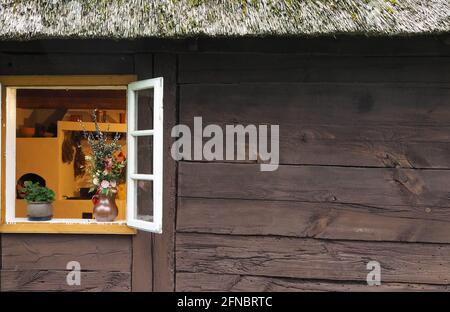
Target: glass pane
x=144, y=109
x=144, y=200
x=145, y=155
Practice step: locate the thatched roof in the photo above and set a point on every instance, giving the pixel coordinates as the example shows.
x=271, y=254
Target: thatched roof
x=26, y=19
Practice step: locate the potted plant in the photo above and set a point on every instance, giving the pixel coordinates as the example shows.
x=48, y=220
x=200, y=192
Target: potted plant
x=106, y=165
x=39, y=199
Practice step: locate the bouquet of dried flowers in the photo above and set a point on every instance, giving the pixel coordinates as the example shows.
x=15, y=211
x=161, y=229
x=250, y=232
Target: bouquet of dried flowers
x=107, y=162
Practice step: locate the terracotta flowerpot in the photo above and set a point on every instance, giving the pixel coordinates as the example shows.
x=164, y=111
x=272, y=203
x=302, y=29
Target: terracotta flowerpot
x=39, y=211
x=105, y=208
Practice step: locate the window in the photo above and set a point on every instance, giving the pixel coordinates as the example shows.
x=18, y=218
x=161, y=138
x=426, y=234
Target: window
x=145, y=143
x=42, y=141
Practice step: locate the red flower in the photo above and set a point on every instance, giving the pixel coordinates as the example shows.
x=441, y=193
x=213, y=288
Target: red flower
x=119, y=156
x=95, y=198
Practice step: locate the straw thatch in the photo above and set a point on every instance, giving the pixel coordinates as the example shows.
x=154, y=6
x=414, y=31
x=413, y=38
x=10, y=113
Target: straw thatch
x=26, y=19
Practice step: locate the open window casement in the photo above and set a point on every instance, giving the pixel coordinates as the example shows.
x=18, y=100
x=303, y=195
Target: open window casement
x=1, y=128
x=145, y=155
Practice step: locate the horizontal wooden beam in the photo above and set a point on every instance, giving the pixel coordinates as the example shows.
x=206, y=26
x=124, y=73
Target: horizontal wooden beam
x=53, y=252
x=318, y=220
x=120, y=81
x=53, y=280
x=312, y=258
x=372, y=187
x=250, y=67
x=337, y=44
x=232, y=282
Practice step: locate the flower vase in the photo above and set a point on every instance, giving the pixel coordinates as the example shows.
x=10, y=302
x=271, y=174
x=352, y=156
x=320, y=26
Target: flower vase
x=105, y=208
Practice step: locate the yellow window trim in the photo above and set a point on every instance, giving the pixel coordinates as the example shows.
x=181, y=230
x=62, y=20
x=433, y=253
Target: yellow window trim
x=67, y=81
x=57, y=81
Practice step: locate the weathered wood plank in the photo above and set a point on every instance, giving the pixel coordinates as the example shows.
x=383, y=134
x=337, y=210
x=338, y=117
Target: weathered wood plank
x=365, y=186
x=357, y=145
x=365, y=154
x=64, y=64
x=312, y=259
x=318, y=220
x=53, y=252
x=192, y=282
x=427, y=45
x=164, y=244
x=362, y=132
x=310, y=146
x=44, y=280
x=89, y=46
x=336, y=45
x=252, y=67
x=335, y=124
x=317, y=103
x=142, y=268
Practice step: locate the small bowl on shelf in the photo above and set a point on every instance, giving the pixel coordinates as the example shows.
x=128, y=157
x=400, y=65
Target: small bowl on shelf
x=27, y=132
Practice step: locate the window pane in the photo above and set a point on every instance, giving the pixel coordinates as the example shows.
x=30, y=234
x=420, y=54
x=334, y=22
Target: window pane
x=144, y=206
x=144, y=200
x=144, y=109
x=145, y=155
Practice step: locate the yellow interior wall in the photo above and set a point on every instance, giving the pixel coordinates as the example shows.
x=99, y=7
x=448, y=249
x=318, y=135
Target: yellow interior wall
x=42, y=156
x=39, y=156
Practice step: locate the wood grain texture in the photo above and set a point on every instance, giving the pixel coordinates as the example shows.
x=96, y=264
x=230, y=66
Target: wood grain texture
x=317, y=220
x=339, y=45
x=427, y=45
x=65, y=64
x=53, y=252
x=365, y=186
x=66, y=80
x=194, y=282
x=343, y=120
x=312, y=259
x=317, y=103
x=142, y=268
x=254, y=67
x=297, y=147
x=381, y=145
x=160, y=247
x=376, y=125
x=142, y=265
x=55, y=280
x=164, y=244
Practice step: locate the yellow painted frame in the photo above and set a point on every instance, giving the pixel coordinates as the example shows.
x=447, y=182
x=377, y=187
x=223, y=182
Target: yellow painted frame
x=56, y=81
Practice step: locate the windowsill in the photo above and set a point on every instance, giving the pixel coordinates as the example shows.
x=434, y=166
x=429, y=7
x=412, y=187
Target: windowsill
x=67, y=226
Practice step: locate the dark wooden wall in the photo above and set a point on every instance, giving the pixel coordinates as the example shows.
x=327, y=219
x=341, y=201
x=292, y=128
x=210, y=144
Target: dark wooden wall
x=364, y=174
x=364, y=136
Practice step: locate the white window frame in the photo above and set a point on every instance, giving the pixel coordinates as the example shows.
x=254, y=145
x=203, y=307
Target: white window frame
x=133, y=176
x=1, y=136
